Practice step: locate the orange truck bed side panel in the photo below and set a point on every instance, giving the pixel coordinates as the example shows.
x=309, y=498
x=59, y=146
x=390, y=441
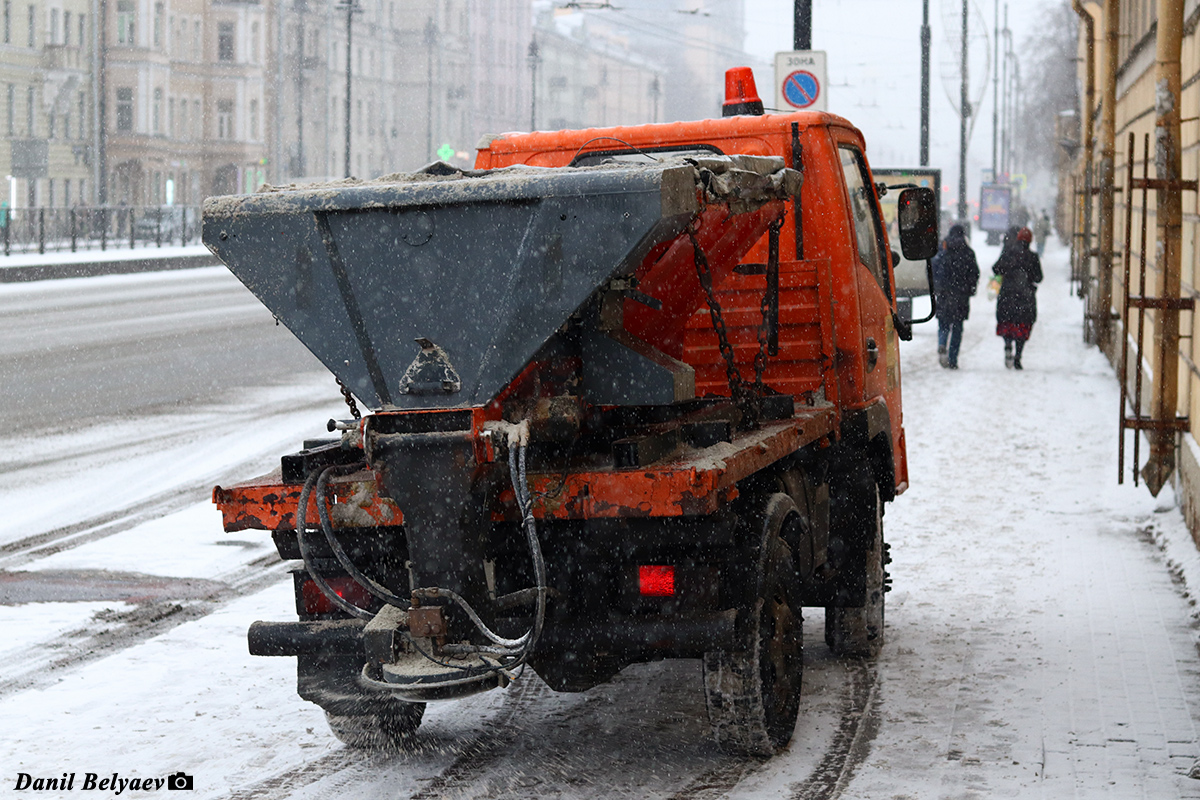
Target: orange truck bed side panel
x=698, y=482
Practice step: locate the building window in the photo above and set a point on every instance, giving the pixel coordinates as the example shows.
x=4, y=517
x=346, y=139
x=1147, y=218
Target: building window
x=82, y=115
x=225, y=41
x=12, y=110
x=197, y=40
x=67, y=27
x=51, y=120
x=29, y=106
x=171, y=118
x=53, y=26
x=8, y=21
x=50, y=194
x=197, y=120
x=32, y=24
x=125, y=109
x=82, y=40
x=157, y=112
x=254, y=120
x=66, y=124
x=183, y=119
x=254, y=43
x=158, y=22
x=126, y=17
x=66, y=191
x=224, y=119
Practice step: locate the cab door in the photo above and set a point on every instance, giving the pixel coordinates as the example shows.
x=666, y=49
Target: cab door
x=876, y=294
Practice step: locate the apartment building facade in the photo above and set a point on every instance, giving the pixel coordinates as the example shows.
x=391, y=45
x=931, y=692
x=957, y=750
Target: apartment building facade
x=46, y=60
x=149, y=102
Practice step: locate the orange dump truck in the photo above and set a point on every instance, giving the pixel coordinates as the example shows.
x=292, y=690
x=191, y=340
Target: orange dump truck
x=634, y=393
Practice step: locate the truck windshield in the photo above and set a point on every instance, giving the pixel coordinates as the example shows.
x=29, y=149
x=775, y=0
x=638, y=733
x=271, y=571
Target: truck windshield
x=867, y=228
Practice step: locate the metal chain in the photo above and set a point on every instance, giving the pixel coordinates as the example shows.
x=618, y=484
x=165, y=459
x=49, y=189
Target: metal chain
x=354, y=412
x=742, y=397
x=760, y=358
x=746, y=398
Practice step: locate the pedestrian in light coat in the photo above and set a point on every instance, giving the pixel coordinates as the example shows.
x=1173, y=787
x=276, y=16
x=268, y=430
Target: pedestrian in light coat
x=1020, y=271
x=1041, y=229
x=955, y=280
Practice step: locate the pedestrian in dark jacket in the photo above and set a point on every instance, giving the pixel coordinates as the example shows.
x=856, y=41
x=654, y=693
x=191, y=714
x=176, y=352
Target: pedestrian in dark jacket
x=1020, y=272
x=955, y=279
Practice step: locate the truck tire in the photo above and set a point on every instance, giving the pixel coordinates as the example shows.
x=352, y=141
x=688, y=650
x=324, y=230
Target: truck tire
x=753, y=693
x=858, y=632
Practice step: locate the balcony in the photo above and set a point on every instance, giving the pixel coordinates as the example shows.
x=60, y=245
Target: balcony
x=63, y=56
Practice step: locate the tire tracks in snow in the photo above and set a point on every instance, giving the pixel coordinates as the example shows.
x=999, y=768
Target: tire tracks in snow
x=27, y=549
x=344, y=771
x=45, y=662
x=857, y=727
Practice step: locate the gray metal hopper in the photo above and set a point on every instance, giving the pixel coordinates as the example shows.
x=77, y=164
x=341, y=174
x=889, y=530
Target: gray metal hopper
x=483, y=267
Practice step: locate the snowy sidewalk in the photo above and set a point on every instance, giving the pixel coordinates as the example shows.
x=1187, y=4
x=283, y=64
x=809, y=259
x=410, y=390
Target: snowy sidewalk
x=1037, y=645
x=116, y=260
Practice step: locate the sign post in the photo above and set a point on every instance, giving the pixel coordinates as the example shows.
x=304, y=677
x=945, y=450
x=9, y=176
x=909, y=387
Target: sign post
x=800, y=79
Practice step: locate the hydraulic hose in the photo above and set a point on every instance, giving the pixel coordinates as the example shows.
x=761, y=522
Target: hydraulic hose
x=306, y=553
x=378, y=590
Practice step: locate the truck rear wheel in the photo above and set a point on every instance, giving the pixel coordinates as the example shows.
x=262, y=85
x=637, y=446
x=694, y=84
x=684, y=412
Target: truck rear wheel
x=858, y=632
x=753, y=694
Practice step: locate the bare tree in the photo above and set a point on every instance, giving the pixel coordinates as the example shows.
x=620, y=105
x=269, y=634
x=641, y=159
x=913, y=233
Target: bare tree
x=1049, y=87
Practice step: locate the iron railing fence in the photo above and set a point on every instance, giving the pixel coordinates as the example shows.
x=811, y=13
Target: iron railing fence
x=43, y=230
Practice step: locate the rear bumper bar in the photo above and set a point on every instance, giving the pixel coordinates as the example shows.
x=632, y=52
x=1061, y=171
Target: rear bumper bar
x=324, y=637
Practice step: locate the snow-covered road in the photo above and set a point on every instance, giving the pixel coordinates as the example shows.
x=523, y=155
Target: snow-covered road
x=1038, y=643
x=78, y=349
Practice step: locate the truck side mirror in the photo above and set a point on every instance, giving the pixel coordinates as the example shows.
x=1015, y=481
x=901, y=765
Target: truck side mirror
x=917, y=213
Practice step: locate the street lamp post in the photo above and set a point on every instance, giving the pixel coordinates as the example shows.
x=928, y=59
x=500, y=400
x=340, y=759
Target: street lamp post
x=802, y=25
x=351, y=7
x=996, y=91
x=925, y=37
x=534, y=59
x=964, y=113
x=430, y=41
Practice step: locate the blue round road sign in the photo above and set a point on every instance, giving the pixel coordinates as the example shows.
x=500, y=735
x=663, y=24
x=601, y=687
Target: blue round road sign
x=801, y=89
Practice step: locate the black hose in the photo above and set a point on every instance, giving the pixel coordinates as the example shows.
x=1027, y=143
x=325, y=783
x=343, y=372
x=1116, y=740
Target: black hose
x=378, y=590
x=306, y=554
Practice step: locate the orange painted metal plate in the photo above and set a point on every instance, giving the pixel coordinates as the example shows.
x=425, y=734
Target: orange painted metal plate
x=267, y=503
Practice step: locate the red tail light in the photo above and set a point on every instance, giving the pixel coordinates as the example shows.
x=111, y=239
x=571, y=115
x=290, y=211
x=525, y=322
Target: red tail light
x=656, y=581
x=315, y=601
